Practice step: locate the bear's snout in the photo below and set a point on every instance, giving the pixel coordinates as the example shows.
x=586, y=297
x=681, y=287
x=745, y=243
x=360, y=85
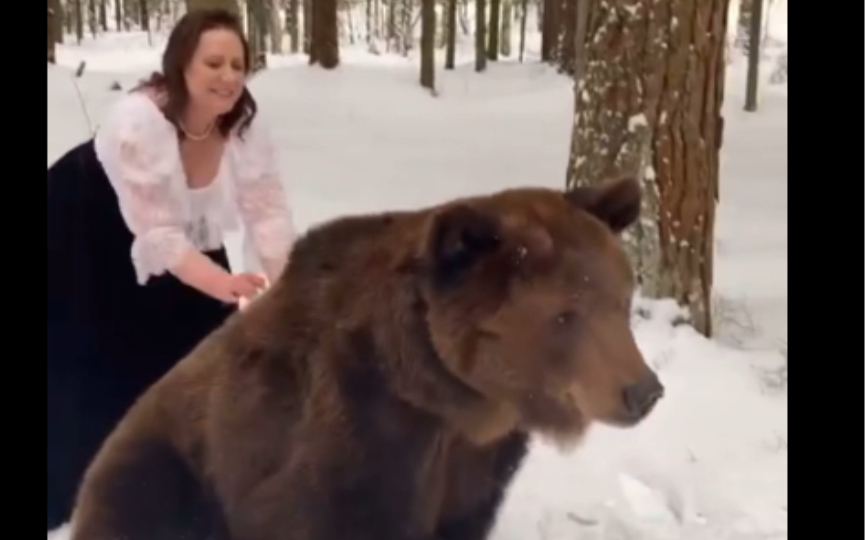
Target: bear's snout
x=640, y=398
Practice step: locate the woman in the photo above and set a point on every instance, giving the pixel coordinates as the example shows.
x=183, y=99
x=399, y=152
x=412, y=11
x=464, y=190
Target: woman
x=137, y=272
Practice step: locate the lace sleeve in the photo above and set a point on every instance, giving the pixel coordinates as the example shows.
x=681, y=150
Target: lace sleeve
x=137, y=148
x=262, y=201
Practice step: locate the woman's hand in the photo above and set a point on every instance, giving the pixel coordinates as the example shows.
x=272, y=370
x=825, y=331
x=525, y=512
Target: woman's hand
x=198, y=271
x=242, y=288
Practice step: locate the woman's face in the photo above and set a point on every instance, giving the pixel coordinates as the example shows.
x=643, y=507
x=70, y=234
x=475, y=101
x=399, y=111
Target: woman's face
x=216, y=74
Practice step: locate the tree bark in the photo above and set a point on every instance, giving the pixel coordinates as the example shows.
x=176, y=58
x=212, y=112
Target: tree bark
x=754, y=50
x=58, y=15
x=648, y=105
x=550, y=29
x=144, y=15
x=567, y=30
x=103, y=15
x=377, y=22
x=292, y=14
x=93, y=17
x=257, y=29
x=53, y=20
x=406, y=25
x=306, y=5
x=451, y=50
x=79, y=21
x=275, y=27
x=494, y=29
x=427, y=44
x=369, y=24
x=324, y=41
x=118, y=15
x=480, y=35
x=463, y=16
x=524, y=15
x=391, y=24
x=230, y=5
x=507, y=20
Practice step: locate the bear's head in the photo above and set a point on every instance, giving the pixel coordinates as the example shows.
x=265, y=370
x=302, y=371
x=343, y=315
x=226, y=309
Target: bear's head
x=528, y=295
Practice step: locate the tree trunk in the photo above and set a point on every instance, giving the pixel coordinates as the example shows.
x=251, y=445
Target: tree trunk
x=324, y=42
x=79, y=21
x=174, y=13
x=507, y=20
x=463, y=16
x=524, y=15
x=406, y=34
x=754, y=53
x=103, y=15
x=494, y=27
x=144, y=16
x=273, y=16
x=307, y=26
x=567, y=36
x=93, y=17
x=480, y=35
x=69, y=17
x=53, y=20
x=230, y=5
x=391, y=24
x=58, y=16
x=292, y=15
x=160, y=14
x=256, y=32
x=451, y=51
x=648, y=105
x=118, y=15
x=369, y=23
x=377, y=22
x=427, y=44
x=550, y=30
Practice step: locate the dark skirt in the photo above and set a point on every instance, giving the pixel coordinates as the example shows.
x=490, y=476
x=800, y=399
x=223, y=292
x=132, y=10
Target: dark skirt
x=109, y=338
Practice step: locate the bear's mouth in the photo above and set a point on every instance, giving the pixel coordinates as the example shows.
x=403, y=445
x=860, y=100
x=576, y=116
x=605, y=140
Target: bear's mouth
x=570, y=399
x=573, y=404
x=557, y=413
x=571, y=396
x=558, y=417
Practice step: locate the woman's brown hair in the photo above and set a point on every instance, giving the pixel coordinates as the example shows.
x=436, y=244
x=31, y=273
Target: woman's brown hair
x=179, y=51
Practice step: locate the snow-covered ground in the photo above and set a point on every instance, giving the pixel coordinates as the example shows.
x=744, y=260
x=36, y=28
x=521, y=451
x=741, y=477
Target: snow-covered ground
x=711, y=462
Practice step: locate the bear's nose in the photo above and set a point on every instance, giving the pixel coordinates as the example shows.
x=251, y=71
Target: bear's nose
x=640, y=398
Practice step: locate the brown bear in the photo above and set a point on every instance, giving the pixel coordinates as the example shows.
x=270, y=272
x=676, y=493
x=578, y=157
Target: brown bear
x=385, y=387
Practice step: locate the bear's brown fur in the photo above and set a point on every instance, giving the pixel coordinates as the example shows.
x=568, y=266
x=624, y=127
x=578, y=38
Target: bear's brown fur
x=385, y=387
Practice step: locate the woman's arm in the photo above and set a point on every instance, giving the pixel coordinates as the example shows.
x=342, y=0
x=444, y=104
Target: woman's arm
x=139, y=152
x=262, y=200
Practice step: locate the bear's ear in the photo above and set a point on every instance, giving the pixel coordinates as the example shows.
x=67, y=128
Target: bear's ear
x=460, y=237
x=615, y=203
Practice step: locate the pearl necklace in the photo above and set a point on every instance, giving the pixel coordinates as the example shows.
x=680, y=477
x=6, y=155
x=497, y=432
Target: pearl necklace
x=201, y=137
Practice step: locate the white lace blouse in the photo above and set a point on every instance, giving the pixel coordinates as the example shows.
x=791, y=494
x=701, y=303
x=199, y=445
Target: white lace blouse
x=139, y=150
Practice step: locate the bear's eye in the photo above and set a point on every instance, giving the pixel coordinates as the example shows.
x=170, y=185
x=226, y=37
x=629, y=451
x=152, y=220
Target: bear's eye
x=565, y=318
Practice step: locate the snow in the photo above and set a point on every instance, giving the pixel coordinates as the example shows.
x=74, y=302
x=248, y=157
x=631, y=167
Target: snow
x=637, y=121
x=711, y=462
